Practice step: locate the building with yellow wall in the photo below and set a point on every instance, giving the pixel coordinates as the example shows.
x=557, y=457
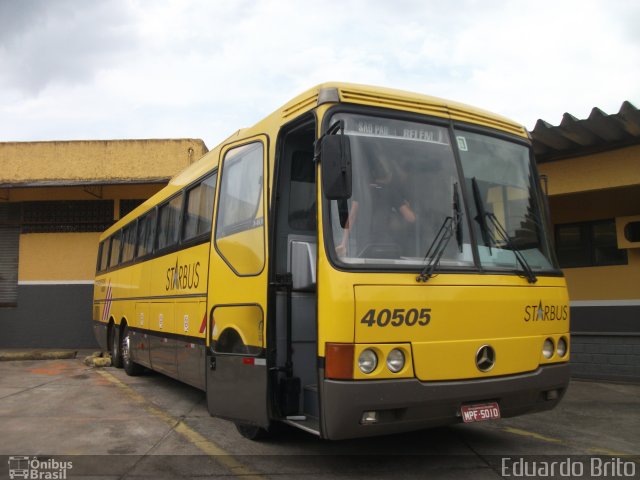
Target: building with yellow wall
x=55, y=199
x=592, y=169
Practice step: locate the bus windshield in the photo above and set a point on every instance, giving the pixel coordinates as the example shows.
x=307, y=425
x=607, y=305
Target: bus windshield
x=404, y=179
x=406, y=188
x=499, y=177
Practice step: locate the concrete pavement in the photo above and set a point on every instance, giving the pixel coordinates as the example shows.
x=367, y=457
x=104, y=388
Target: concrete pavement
x=152, y=426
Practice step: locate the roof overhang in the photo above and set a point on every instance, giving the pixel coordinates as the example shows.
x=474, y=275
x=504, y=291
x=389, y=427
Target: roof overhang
x=597, y=133
x=87, y=183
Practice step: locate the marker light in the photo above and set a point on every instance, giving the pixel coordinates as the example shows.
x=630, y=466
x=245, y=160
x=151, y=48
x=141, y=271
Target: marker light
x=547, y=348
x=561, y=349
x=367, y=361
x=339, y=361
x=395, y=360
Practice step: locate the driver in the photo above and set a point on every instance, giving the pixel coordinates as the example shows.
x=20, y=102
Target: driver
x=388, y=204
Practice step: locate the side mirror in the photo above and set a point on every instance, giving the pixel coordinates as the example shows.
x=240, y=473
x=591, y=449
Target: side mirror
x=335, y=157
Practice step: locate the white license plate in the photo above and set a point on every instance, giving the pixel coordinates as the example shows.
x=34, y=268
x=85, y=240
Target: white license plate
x=480, y=412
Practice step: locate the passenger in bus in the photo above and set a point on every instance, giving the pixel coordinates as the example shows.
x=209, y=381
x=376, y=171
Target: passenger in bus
x=387, y=205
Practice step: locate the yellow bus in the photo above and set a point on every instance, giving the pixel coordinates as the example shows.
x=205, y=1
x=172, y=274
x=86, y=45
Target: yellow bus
x=363, y=261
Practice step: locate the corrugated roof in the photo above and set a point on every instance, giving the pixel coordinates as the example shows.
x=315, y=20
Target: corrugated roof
x=598, y=132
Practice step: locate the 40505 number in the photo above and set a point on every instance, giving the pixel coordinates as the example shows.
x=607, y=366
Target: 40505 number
x=397, y=317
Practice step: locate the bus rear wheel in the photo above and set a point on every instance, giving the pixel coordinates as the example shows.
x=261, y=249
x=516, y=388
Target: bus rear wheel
x=130, y=367
x=116, y=357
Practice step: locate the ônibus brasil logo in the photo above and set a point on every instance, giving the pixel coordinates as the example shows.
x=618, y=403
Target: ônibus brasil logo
x=34, y=468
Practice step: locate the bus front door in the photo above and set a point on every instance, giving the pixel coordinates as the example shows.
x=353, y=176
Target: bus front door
x=237, y=289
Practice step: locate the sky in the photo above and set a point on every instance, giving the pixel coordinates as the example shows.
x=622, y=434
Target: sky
x=127, y=69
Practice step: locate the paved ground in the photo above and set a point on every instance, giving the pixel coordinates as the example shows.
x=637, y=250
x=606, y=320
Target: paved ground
x=116, y=426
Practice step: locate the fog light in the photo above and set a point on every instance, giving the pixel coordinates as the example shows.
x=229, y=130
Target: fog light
x=547, y=348
x=395, y=360
x=367, y=361
x=369, y=417
x=561, y=349
x=552, y=395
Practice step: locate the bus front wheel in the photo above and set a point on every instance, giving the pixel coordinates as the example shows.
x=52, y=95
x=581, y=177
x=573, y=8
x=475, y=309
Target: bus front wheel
x=251, y=431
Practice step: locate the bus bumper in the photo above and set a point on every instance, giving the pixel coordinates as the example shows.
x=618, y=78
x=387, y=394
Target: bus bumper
x=409, y=404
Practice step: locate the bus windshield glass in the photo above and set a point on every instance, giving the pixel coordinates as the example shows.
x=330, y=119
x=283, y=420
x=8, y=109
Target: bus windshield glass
x=404, y=185
x=505, y=196
x=406, y=188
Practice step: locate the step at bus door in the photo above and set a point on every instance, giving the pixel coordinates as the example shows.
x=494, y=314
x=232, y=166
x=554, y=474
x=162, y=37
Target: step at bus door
x=237, y=372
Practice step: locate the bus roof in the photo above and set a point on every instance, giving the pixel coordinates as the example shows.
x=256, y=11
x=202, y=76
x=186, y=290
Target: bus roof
x=324, y=93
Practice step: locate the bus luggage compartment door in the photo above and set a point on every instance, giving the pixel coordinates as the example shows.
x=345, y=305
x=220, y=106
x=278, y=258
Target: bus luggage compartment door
x=236, y=375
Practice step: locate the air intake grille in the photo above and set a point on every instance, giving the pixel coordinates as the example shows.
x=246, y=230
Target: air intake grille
x=427, y=108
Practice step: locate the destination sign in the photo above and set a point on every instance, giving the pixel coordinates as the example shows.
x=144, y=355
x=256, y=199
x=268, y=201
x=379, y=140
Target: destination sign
x=387, y=128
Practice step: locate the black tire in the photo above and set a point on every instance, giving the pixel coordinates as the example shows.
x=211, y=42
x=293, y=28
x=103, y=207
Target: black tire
x=116, y=357
x=130, y=367
x=252, y=432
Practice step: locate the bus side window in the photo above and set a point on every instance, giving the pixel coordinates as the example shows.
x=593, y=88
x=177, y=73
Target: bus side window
x=104, y=254
x=169, y=222
x=199, y=210
x=146, y=227
x=114, y=257
x=128, y=242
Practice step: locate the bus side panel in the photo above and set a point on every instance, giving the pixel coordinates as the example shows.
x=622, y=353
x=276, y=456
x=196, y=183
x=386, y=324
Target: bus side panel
x=140, y=348
x=190, y=352
x=163, y=346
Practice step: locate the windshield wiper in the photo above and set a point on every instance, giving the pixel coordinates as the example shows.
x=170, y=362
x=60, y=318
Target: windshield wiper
x=488, y=238
x=481, y=218
x=457, y=216
x=450, y=227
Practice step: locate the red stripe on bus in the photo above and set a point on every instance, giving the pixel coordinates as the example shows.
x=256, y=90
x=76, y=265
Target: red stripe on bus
x=203, y=326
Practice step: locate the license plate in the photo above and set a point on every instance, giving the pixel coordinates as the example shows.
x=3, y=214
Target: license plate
x=480, y=413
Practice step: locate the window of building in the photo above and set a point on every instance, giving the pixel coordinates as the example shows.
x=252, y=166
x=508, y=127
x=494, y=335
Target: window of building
x=589, y=244
x=127, y=205
x=9, y=251
x=67, y=216
x=199, y=212
x=169, y=222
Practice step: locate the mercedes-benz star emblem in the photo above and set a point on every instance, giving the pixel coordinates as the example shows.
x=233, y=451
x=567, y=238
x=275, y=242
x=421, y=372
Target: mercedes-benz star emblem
x=485, y=358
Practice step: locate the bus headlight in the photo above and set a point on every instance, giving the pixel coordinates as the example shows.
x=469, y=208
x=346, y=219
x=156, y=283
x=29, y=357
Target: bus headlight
x=547, y=348
x=395, y=360
x=367, y=361
x=561, y=349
